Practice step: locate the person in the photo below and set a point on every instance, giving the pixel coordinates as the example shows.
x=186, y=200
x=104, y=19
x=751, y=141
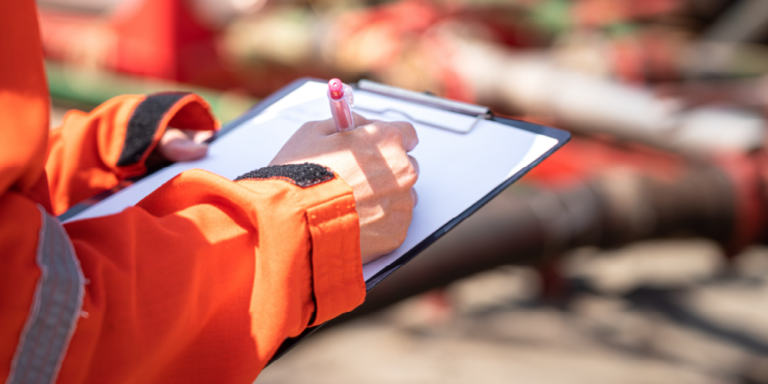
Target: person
x=204, y=278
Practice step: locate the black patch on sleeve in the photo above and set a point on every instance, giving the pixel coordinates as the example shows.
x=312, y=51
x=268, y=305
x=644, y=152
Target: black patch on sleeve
x=303, y=175
x=144, y=124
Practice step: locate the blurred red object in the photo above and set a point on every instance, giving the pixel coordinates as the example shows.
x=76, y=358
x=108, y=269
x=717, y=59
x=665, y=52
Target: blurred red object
x=163, y=39
x=585, y=158
x=592, y=13
x=154, y=38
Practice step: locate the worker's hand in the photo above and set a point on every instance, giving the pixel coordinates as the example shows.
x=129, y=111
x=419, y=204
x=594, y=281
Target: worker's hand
x=183, y=145
x=373, y=160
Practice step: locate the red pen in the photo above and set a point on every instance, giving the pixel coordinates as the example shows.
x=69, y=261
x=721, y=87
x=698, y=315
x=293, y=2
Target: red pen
x=340, y=98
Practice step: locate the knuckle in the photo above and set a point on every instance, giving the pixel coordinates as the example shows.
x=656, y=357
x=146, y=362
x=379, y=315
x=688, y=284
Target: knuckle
x=407, y=127
x=405, y=181
x=414, y=162
x=391, y=131
x=411, y=175
x=373, y=128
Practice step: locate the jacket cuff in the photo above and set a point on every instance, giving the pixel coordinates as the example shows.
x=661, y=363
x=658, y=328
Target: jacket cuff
x=337, y=268
x=149, y=120
x=327, y=206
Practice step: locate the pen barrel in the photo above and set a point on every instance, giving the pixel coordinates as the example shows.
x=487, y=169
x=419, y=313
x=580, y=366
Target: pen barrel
x=342, y=114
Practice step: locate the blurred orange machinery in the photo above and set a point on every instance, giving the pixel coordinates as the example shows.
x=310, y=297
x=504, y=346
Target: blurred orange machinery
x=154, y=38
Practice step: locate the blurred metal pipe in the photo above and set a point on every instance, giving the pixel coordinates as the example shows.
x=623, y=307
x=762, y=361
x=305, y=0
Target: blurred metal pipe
x=742, y=21
x=536, y=85
x=614, y=210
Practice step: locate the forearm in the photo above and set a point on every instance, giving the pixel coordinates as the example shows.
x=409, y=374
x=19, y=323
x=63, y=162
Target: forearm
x=209, y=276
x=92, y=152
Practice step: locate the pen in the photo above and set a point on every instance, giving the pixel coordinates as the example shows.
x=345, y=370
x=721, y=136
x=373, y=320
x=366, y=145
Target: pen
x=340, y=98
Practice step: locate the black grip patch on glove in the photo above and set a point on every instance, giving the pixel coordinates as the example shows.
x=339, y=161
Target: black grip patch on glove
x=143, y=124
x=303, y=175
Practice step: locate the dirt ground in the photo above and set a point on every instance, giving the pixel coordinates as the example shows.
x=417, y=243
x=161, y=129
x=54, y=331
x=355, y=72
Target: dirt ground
x=654, y=312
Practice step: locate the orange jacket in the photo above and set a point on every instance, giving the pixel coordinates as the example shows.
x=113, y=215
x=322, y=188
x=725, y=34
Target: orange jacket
x=199, y=282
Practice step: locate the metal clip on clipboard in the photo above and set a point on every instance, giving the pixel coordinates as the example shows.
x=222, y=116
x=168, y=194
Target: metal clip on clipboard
x=479, y=112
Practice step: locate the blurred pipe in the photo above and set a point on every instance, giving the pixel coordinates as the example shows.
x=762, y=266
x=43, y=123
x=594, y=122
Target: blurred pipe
x=744, y=21
x=613, y=210
x=722, y=48
x=93, y=87
x=716, y=59
x=534, y=84
x=88, y=6
x=219, y=13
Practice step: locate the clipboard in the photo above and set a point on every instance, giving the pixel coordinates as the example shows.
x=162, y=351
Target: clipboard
x=462, y=119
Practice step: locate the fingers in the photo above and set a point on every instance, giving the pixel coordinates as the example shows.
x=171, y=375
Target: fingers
x=405, y=130
x=360, y=120
x=199, y=136
x=320, y=128
x=414, y=164
x=175, y=145
x=328, y=127
x=410, y=139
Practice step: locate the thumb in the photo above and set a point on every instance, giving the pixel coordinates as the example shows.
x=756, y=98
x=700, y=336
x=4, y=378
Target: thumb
x=175, y=145
x=328, y=127
x=323, y=127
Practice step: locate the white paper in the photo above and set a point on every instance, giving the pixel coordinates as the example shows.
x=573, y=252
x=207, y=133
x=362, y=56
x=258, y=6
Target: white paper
x=456, y=170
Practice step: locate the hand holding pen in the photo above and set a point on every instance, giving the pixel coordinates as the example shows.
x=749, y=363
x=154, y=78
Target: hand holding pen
x=373, y=160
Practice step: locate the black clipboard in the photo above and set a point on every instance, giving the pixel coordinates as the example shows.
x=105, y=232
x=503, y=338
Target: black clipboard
x=561, y=136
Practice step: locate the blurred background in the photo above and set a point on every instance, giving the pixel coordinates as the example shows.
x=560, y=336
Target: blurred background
x=633, y=255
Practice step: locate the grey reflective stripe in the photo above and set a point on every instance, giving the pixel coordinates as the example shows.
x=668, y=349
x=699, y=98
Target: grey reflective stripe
x=55, y=310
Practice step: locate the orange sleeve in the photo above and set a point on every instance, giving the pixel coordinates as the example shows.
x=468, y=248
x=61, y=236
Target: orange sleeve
x=200, y=282
x=93, y=152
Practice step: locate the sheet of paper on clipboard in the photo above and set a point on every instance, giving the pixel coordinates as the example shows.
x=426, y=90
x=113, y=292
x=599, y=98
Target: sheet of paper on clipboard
x=457, y=169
